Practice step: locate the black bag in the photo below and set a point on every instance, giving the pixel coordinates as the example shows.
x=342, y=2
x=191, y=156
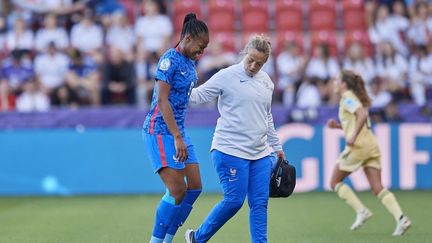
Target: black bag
x=282, y=179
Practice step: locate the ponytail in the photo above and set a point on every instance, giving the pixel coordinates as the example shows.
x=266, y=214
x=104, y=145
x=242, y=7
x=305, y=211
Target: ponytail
x=193, y=27
x=356, y=84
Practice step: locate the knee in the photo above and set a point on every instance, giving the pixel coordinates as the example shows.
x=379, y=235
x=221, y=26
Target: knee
x=333, y=184
x=234, y=204
x=377, y=189
x=178, y=192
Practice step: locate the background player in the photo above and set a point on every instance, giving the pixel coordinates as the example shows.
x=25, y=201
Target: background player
x=361, y=150
x=170, y=150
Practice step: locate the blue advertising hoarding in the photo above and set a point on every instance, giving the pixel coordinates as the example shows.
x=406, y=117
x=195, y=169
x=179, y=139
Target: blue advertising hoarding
x=114, y=161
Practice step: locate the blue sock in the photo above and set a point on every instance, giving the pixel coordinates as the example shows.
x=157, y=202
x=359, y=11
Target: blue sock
x=185, y=209
x=168, y=238
x=165, y=213
x=156, y=240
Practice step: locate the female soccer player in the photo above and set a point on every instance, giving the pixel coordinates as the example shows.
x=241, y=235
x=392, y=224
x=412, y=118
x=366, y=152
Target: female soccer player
x=170, y=151
x=240, y=147
x=361, y=151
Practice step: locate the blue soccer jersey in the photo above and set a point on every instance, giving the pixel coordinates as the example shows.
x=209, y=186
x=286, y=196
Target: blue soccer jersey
x=178, y=71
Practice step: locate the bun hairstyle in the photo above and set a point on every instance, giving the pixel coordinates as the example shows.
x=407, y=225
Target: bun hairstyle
x=260, y=43
x=356, y=84
x=193, y=26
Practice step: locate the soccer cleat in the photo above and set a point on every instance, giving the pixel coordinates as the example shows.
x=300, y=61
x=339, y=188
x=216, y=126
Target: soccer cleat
x=402, y=226
x=361, y=218
x=190, y=236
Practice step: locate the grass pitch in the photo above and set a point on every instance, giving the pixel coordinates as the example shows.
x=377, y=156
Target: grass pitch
x=308, y=217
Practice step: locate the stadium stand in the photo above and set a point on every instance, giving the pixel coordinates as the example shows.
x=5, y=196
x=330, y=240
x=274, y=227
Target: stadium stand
x=337, y=23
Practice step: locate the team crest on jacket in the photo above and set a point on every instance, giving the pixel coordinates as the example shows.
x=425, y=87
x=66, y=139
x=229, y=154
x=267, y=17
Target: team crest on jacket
x=165, y=64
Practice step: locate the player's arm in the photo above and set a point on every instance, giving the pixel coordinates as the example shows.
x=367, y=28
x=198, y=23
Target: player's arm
x=361, y=115
x=208, y=91
x=272, y=138
x=168, y=116
x=332, y=123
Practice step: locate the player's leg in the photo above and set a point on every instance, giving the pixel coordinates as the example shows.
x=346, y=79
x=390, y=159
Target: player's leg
x=387, y=199
x=193, y=179
x=348, y=195
x=169, y=205
x=161, y=150
x=233, y=174
x=258, y=195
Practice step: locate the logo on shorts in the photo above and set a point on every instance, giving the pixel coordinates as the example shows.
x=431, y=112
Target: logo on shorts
x=175, y=159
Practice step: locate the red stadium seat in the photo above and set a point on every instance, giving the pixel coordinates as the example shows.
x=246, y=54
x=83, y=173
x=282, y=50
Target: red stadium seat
x=255, y=16
x=228, y=40
x=288, y=37
x=322, y=15
x=361, y=37
x=183, y=7
x=221, y=15
x=354, y=15
x=325, y=37
x=289, y=15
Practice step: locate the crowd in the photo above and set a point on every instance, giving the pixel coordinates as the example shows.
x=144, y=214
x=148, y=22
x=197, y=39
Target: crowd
x=65, y=53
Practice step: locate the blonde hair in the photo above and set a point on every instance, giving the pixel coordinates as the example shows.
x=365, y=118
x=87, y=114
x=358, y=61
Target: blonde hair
x=260, y=43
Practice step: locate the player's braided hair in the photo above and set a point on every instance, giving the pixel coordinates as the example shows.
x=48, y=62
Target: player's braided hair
x=355, y=83
x=193, y=27
x=260, y=43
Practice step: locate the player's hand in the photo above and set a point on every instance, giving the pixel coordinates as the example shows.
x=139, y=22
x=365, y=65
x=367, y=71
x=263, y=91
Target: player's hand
x=280, y=154
x=181, y=149
x=350, y=141
x=332, y=123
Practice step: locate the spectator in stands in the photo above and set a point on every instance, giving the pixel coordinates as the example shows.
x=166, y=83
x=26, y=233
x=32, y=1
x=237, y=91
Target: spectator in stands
x=386, y=29
x=118, y=79
x=290, y=65
x=51, y=68
x=392, y=69
x=308, y=94
x=87, y=36
x=65, y=96
x=18, y=12
x=418, y=33
x=7, y=97
x=83, y=78
x=20, y=37
x=323, y=67
x=400, y=16
x=378, y=93
x=33, y=98
x=16, y=71
x=214, y=59
x=3, y=31
x=154, y=29
x=105, y=7
x=420, y=73
x=357, y=61
x=51, y=33
x=120, y=35
x=49, y=6
x=145, y=73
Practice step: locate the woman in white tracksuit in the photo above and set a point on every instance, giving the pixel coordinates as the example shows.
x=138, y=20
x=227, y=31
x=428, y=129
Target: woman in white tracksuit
x=242, y=140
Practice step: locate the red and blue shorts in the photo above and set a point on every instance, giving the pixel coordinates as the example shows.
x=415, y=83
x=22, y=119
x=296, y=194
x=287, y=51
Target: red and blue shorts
x=161, y=151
